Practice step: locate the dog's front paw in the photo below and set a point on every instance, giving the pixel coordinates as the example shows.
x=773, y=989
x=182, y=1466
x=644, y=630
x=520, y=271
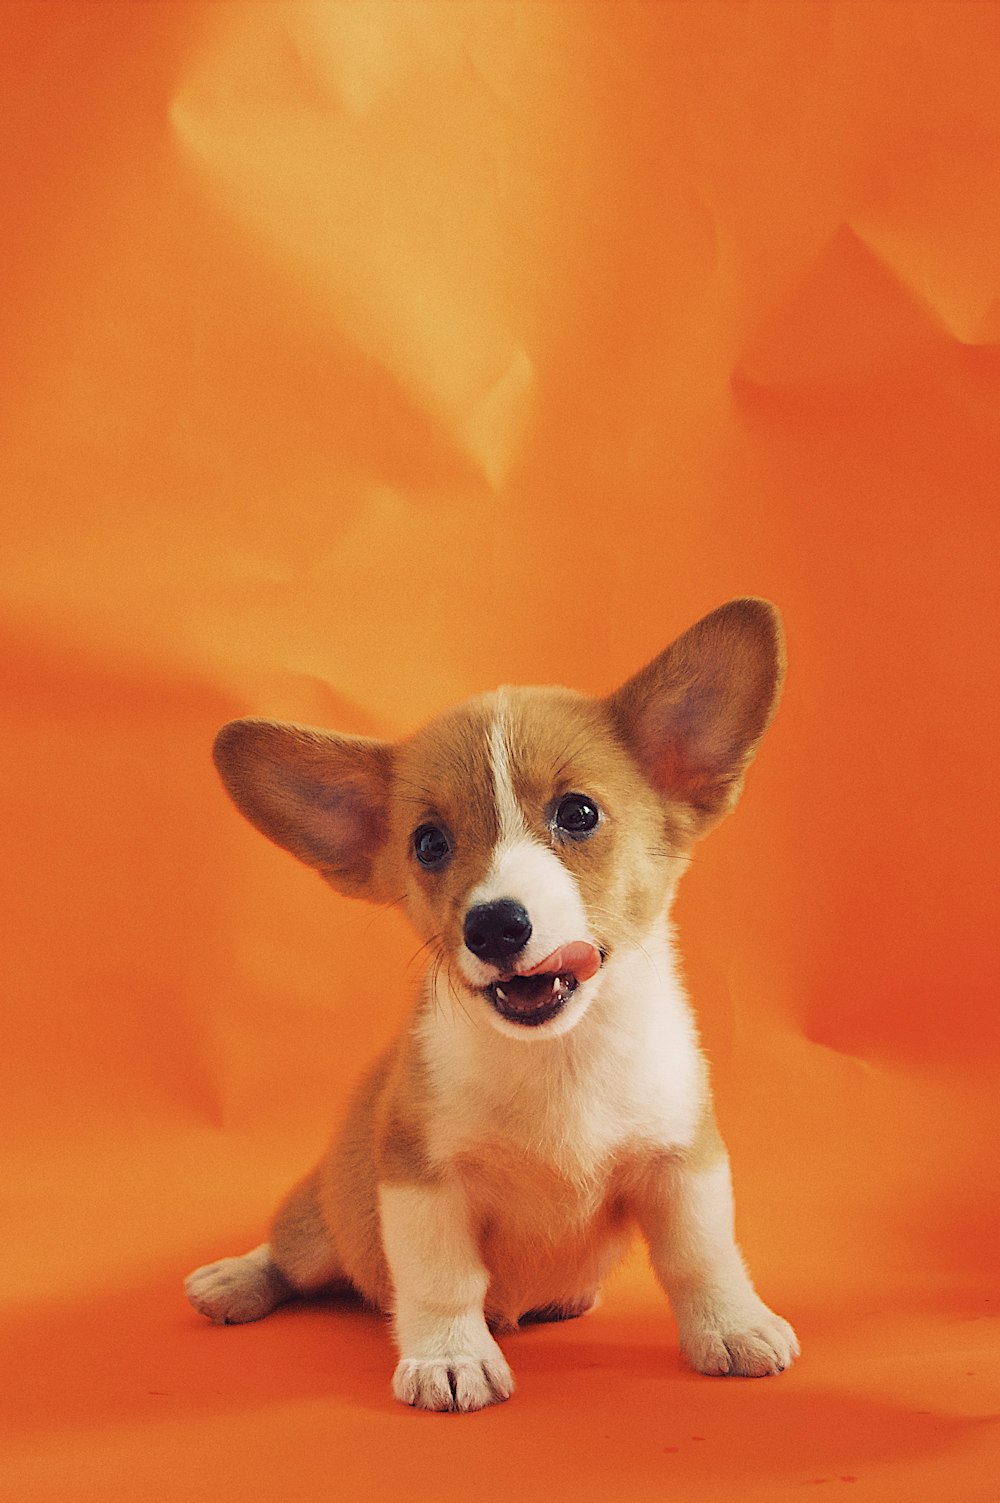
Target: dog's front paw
x=456, y=1383
x=745, y=1342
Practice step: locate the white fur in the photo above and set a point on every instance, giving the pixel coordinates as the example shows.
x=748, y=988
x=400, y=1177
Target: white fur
x=448, y=1359
x=525, y=870
x=533, y=876
x=629, y=1079
x=723, y=1324
x=630, y=1072
x=510, y=819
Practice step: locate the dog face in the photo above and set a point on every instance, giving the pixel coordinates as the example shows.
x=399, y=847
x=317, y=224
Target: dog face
x=530, y=833
x=534, y=849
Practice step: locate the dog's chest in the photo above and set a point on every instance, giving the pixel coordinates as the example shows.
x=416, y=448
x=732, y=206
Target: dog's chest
x=553, y=1139
x=629, y=1079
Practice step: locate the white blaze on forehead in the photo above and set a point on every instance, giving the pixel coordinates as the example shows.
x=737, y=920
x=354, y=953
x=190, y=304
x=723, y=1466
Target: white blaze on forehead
x=510, y=819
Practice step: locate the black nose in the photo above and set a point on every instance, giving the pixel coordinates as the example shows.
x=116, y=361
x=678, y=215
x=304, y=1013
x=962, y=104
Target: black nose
x=496, y=931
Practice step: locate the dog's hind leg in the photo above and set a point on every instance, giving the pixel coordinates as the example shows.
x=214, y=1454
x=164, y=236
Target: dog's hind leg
x=299, y=1259
x=234, y=1290
x=302, y=1245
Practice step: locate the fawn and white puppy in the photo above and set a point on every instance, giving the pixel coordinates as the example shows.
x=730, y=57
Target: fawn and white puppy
x=548, y=1094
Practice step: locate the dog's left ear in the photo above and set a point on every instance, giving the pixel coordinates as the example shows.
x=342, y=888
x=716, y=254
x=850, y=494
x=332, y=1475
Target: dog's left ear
x=694, y=716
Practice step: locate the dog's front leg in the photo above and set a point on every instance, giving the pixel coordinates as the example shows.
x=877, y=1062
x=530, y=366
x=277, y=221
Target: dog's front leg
x=723, y=1324
x=447, y=1357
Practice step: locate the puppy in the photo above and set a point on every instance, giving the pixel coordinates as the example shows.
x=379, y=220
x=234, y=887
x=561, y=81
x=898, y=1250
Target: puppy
x=548, y=1095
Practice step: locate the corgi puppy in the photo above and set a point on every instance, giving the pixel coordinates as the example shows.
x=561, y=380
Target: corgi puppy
x=548, y=1096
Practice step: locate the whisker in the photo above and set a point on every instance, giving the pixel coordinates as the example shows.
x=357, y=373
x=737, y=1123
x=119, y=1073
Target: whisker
x=420, y=793
x=455, y=993
x=572, y=750
x=424, y=946
x=435, y=973
x=439, y=965
x=418, y=952
x=381, y=909
x=457, y=996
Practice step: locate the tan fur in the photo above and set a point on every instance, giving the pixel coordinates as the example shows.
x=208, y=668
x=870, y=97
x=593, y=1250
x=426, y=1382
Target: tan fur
x=521, y=1165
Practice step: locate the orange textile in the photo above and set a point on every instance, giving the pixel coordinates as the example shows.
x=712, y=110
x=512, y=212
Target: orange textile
x=360, y=356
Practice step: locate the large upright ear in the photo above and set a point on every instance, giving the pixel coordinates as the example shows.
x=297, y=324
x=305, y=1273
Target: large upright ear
x=322, y=796
x=693, y=716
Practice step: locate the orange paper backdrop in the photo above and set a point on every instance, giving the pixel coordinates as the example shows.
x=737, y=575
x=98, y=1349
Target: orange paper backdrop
x=357, y=357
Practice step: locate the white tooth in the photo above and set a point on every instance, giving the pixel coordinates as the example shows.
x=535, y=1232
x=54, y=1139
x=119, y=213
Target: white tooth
x=501, y=994
x=556, y=984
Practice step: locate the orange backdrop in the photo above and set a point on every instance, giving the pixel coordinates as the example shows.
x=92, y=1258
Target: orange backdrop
x=357, y=357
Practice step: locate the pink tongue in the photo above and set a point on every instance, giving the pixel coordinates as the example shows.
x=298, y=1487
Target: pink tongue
x=579, y=957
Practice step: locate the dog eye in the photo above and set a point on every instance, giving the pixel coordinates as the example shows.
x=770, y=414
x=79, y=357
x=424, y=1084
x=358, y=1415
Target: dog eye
x=576, y=814
x=431, y=845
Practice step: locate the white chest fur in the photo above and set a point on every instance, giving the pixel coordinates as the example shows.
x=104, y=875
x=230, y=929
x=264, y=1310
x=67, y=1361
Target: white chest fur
x=628, y=1075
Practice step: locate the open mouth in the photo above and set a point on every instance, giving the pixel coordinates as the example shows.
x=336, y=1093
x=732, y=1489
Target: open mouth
x=532, y=999
x=536, y=996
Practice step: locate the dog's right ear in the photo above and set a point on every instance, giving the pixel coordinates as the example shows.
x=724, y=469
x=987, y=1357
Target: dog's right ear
x=321, y=796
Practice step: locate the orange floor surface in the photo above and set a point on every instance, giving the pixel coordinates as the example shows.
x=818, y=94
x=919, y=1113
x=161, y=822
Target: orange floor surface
x=355, y=358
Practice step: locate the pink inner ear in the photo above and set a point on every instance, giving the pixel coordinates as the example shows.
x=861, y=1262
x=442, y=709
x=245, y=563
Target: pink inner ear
x=318, y=795
x=334, y=824
x=694, y=715
x=673, y=769
x=680, y=746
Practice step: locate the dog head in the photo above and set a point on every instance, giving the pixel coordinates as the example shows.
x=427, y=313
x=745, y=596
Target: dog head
x=533, y=832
